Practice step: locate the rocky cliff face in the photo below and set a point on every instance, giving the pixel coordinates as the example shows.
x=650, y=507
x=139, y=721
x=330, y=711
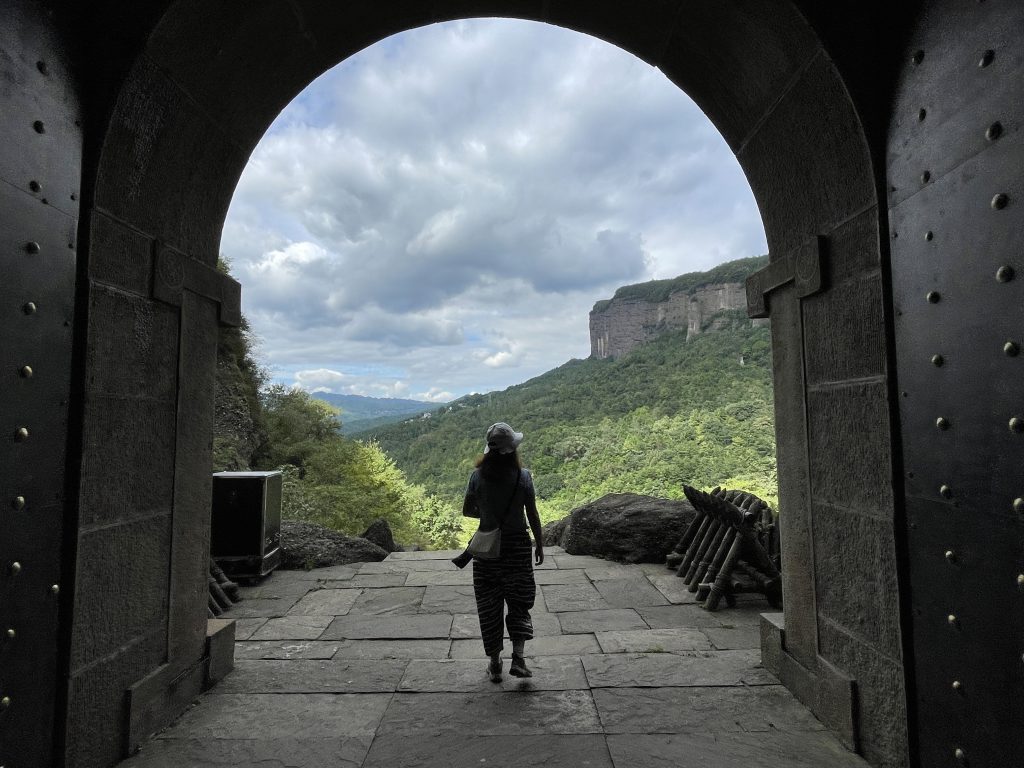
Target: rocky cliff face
x=621, y=324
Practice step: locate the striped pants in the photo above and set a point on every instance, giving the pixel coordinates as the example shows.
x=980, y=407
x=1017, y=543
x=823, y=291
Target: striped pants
x=505, y=581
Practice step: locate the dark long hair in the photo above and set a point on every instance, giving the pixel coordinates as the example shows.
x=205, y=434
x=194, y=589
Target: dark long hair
x=496, y=466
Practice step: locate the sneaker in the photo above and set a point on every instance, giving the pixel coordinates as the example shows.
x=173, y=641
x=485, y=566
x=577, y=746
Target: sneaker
x=494, y=670
x=519, y=668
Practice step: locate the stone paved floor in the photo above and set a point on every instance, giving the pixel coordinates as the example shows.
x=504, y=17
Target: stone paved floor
x=380, y=664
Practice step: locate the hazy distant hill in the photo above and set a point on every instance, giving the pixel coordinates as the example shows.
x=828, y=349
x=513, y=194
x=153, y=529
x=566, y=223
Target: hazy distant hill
x=670, y=412
x=360, y=413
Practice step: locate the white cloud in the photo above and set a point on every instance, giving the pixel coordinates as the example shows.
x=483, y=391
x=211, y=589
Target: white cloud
x=443, y=208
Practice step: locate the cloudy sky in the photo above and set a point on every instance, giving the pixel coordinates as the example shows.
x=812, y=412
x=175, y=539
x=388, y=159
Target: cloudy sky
x=437, y=214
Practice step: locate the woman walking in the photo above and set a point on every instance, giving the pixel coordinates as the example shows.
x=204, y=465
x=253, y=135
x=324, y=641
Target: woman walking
x=499, y=492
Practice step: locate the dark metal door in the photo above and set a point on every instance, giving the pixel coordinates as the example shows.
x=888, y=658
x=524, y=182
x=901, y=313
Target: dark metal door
x=40, y=163
x=956, y=170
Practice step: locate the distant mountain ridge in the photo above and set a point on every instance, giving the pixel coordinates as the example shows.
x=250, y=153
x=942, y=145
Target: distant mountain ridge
x=360, y=413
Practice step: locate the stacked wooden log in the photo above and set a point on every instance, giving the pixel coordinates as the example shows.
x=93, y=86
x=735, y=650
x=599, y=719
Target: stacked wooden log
x=731, y=547
x=223, y=591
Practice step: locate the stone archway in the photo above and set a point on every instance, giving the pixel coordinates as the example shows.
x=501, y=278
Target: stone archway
x=208, y=82
x=176, y=94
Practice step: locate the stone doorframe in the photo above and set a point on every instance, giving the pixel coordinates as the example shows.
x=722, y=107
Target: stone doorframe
x=788, y=87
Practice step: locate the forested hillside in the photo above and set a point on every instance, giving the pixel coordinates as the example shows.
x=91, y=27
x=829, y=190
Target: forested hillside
x=328, y=479
x=670, y=412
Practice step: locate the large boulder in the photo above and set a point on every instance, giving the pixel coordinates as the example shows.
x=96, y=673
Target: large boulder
x=308, y=545
x=380, y=534
x=626, y=527
x=552, y=533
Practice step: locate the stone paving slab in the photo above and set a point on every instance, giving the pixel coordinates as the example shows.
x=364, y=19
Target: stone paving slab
x=278, y=587
x=698, y=668
x=326, y=602
x=572, y=597
x=388, y=601
x=669, y=616
x=471, y=751
x=550, y=673
x=338, y=752
x=293, y=628
x=612, y=570
x=488, y=714
x=406, y=566
x=450, y=599
x=424, y=554
x=285, y=649
x=629, y=593
x=357, y=627
x=554, y=576
x=314, y=676
x=557, y=645
x=718, y=750
x=467, y=625
x=699, y=710
x=265, y=608
x=601, y=620
x=372, y=580
x=336, y=572
x=283, y=715
x=653, y=641
x=673, y=588
x=734, y=638
x=581, y=561
x=244, y=628
x=437, y=578
x=393, y=649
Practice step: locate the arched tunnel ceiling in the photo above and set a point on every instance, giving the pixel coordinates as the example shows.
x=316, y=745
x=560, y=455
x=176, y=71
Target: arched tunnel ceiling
x=189, y=115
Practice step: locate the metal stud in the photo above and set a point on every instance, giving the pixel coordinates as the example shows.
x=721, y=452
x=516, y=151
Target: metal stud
x=918, y=57
x=26, y=371
x=1004, y=274
x=952, y=620
x=951, y=555
x=55, y=589
x=945, y=492
x=1000, y=201
x=922, y=113
x=933, y=297
x=5, y=702
x=38, y=126
x=18, y=502
x=1020, y=579
x=21, y=434
x=1018, y=505
x=929, y=236
x=1011, y=349
x=11, y=634
x=957, y=685
x=959, y=755
x=942, y=423
x=1016, y=424
x=926, y=177
x=994, y=131
x=986, y=58
x=15, y=568
x=32, y=247
x=29, y=308
x=938, y=360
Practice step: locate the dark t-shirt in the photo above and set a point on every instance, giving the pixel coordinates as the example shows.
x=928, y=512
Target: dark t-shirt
x=488, y=500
